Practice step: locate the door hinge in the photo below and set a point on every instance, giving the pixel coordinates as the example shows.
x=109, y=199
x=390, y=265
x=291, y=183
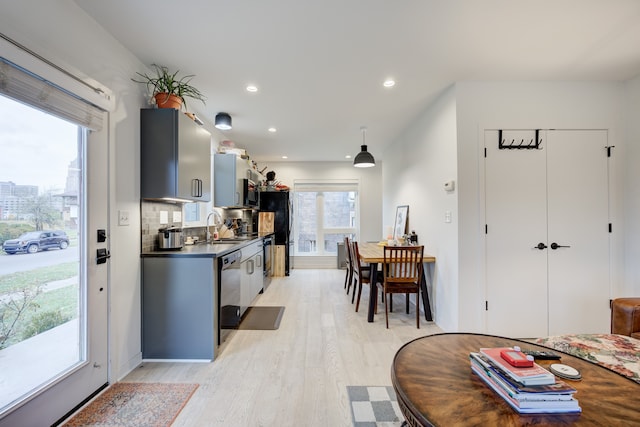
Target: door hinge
x=609, y=147
x=610, y=228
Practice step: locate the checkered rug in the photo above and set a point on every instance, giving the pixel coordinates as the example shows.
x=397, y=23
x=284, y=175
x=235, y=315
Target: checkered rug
x=374, y=406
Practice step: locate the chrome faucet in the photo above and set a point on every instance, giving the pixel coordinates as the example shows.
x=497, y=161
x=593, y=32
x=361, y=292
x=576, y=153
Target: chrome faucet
x=218, y=217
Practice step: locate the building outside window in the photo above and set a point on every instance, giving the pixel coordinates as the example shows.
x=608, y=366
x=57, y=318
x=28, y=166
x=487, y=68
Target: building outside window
x=325, y=212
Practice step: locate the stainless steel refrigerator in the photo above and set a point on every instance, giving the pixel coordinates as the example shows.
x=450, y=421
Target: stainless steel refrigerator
x=280, y=203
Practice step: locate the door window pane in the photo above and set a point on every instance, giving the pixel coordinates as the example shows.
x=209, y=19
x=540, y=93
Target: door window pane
x=40, y=293
x=306, y=230
x=339, y=209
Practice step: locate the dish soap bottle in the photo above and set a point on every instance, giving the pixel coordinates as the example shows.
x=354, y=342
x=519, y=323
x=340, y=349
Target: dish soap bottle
x=216, y=236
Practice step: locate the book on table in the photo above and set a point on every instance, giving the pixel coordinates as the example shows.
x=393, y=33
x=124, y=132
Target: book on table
x=546, y=398
x=534, y=375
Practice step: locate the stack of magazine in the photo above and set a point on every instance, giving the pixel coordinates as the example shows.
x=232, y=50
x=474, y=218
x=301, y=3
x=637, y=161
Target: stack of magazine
x=531, y=390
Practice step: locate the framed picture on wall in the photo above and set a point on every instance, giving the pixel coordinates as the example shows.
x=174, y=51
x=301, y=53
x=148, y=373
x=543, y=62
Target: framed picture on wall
x=400, y=225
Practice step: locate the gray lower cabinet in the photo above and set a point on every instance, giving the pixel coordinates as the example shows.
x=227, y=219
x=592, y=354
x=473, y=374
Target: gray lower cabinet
x=179, y=314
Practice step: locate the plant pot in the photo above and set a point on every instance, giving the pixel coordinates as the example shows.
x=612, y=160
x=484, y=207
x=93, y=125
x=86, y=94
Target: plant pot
x=165, y=100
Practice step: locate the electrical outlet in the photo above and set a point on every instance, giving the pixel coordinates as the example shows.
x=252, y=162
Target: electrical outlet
x=123, y=217
x=447, y=216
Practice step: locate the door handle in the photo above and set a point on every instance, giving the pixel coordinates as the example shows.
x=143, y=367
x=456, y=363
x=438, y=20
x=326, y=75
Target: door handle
x=540, y=246
x=555, y=246
x=102, y=255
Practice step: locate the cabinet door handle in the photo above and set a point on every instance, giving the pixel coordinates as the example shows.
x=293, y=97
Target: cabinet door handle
x=196, y=187
x=253, y=267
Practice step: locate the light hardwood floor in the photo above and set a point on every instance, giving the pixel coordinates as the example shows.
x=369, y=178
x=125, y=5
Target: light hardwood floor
x=296, y=375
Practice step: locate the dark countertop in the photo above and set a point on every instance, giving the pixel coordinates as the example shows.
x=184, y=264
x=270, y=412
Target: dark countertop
x=204, y=250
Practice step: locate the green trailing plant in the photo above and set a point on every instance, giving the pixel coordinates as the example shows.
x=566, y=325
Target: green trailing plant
x=165, y=81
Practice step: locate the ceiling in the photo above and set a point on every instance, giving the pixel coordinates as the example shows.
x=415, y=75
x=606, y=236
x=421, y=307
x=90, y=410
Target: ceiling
x=319, y=65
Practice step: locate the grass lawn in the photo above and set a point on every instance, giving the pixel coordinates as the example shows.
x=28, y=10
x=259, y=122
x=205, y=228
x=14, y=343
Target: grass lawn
x=63, y=301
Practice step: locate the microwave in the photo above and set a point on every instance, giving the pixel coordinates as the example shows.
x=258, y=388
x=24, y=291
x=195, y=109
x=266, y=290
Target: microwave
x=250, y=193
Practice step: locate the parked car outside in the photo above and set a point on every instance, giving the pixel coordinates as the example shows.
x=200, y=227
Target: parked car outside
x=34, y=241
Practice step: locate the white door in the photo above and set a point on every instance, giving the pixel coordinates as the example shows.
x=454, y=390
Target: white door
x=516, y=223
x=83, y=340
x=577, y=187
x=535, y=198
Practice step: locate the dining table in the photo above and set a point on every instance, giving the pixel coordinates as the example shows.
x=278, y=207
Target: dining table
x=373, y=254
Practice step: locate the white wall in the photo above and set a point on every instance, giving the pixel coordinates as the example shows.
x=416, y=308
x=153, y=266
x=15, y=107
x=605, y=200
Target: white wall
x=415, y=169
x=527, y=105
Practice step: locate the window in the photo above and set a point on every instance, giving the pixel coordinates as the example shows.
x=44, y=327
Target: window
x=324, y=214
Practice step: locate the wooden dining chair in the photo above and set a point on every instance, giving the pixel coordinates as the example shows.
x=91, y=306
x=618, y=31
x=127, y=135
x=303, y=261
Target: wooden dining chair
x=348, y=278
x=362, y=273
x=402, y=272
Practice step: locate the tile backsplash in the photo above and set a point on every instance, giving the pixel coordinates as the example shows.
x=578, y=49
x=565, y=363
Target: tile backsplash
x=155, y=215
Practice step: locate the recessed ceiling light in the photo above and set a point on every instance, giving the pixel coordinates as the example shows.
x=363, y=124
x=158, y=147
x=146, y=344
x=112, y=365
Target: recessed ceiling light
x=347, y=156
x=252, y=88
x=389, y=83
x=285, y=157
x=272, y=129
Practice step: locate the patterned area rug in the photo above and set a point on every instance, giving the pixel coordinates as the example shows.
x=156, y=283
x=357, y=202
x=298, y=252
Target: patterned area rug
x=374, y=406
x=135, y=405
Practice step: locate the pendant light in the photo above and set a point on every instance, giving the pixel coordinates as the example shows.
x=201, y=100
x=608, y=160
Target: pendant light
x=364, y=159
x=223, y=121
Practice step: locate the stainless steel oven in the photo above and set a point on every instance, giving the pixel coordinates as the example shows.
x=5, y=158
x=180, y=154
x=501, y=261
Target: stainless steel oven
x=229, y=279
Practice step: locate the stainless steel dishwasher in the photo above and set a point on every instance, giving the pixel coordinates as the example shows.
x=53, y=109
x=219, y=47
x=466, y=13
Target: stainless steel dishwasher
x=229, y=280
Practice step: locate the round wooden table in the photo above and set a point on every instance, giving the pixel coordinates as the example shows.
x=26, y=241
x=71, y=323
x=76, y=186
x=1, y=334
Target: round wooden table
x=435, y=386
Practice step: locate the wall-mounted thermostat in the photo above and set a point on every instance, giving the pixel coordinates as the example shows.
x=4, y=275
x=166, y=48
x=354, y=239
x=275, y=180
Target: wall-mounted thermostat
x=449, y=186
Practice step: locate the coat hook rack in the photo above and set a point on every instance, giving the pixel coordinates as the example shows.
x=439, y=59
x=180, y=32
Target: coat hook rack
x=532, y=144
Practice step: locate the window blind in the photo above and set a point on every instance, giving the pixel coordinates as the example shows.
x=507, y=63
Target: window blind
x=24, y=86
x=329, y=185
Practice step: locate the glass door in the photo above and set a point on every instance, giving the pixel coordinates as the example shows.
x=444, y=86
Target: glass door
x=53, y=294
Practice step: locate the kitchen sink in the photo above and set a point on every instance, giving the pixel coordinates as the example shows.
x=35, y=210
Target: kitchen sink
x=238, y=238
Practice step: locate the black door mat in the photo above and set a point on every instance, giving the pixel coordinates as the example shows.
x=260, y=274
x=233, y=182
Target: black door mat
x=261, y=318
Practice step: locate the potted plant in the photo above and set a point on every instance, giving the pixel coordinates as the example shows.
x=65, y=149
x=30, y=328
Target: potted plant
x=168, y=90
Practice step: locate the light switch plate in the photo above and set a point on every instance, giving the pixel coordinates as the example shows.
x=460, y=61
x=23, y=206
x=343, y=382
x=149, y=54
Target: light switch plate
x=164, y=217
x=123, y=217
x=177, y=216
x=447, y=216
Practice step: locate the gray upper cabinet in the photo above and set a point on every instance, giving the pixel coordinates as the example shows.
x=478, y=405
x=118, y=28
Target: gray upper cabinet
x=229, y=172
x=175, y=157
